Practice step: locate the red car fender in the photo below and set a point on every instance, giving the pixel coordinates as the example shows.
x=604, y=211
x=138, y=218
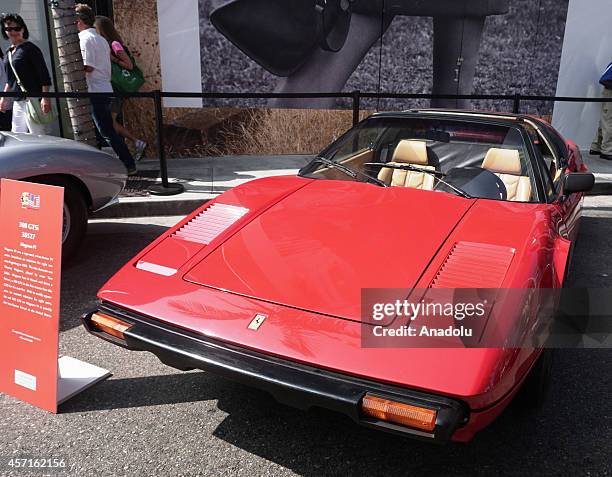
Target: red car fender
x=561, y=259
x=481, y=418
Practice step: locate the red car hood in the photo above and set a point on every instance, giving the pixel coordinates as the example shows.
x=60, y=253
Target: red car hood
x=317, y=248
x=325, y=253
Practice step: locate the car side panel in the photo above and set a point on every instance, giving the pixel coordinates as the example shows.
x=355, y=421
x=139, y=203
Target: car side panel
x=102, y=174
x=538, y=264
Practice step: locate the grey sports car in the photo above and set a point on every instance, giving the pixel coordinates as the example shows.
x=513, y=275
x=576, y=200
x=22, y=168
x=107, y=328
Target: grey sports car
x=91, y=179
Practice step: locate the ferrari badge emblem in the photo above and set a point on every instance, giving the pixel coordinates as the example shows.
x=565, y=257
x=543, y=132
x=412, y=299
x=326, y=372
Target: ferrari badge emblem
x=257, y=321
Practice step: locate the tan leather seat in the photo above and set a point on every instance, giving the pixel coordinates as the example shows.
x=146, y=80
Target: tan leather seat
x=506, y=164
x=409, y=152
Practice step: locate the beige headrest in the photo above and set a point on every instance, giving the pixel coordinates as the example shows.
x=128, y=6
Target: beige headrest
x=502, y=161
x=410, y=152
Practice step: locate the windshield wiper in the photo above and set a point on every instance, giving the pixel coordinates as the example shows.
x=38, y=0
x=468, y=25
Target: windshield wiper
x=438, y=175
x=348, y=171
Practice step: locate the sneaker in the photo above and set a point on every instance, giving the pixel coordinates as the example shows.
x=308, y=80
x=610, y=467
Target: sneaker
x=608, y=157
x=140, y=149
x=132, y=172
x=593, y=152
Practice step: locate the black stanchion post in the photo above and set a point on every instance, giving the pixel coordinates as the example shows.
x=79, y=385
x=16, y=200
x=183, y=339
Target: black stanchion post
x=516, y=107
x=356, y=106
x=165, y=188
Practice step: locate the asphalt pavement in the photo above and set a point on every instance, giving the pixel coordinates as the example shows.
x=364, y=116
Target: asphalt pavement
x=149, y=419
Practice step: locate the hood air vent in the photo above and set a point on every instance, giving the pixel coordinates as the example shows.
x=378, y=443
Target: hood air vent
x=210, y=223
x=474, y=265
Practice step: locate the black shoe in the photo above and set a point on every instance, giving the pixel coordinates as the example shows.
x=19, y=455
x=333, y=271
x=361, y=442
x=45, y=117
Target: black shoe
x=593, y=152
x=606, y=156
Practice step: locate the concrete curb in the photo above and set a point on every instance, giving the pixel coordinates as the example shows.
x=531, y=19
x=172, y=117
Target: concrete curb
x=150, y=208
x=601, y=188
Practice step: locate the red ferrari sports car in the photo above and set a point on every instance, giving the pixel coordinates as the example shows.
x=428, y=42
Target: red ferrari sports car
x=263, y=284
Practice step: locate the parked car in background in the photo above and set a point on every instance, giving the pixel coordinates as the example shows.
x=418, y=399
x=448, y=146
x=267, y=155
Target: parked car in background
x=264, y=284
x=91, y=179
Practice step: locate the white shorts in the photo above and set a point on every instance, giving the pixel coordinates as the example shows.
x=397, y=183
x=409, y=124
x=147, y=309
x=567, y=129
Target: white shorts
x=21, y=124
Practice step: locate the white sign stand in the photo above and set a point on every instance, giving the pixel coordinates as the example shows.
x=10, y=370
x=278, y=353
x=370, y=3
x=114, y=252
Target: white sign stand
x=75, y=376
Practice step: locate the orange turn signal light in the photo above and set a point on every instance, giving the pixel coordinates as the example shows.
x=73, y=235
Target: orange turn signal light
x=108, y=324
x=399, y=413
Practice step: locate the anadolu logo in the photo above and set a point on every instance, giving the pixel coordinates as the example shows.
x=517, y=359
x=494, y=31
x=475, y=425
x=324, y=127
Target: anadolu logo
x=30, y=201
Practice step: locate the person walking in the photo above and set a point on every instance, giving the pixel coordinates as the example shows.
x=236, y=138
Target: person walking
x=6, y=116
x=119, y=54
x=602, y=144
x=97, y=65
x=25, y=71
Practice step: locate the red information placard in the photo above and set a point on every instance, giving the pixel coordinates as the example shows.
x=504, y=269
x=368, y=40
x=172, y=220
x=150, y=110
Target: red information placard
x=30, y=267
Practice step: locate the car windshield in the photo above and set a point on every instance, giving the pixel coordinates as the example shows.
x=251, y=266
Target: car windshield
x=467, y=158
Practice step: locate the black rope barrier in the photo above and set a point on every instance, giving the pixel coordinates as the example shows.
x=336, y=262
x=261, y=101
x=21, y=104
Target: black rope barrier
x=166, y=188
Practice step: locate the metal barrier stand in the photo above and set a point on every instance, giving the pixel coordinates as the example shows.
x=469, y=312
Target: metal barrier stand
x=164, y=188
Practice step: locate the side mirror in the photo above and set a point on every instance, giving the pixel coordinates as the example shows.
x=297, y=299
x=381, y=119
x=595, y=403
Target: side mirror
x=578, y=182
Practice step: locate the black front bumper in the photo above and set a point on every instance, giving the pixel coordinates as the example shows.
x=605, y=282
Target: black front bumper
x=291, y=383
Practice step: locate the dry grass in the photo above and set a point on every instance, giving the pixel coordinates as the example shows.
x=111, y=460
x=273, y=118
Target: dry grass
x=239, y=131
x=281, y=131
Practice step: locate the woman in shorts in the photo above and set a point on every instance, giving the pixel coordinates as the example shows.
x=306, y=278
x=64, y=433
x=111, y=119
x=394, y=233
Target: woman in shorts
x=120, y=55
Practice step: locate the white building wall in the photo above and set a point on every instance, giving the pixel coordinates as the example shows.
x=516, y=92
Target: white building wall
x=179, y=48
x=587, y=50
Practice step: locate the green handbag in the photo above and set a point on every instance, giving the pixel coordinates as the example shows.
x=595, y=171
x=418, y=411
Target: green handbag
x=127, y=81
x=36, y=115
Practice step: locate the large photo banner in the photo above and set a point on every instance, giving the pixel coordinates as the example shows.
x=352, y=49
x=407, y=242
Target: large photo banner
x=531, y=47
x=302, y=46
x=436, y=46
